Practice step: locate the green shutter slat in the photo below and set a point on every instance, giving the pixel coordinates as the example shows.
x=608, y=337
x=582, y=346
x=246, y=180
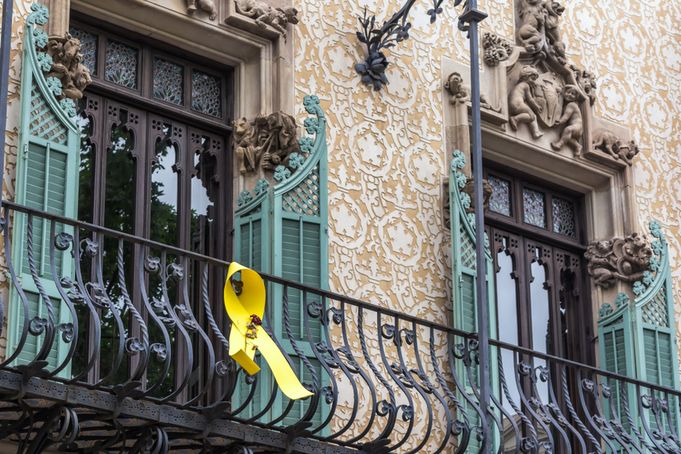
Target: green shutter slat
x=468, y=321
x=650, y=355
x=33, y=343
x=256, y=260
x=665, y=355
x=245, y=245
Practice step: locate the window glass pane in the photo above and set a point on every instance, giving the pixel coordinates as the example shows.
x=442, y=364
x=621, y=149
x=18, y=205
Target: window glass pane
x=120, y=178
x=507, y=310
x=500, y=201
x=164, y=191
x=534, y=211
x=201, y=203
x=168, y=82
x=206, y=93
x=87, y=167
x=541, y=319
x=564, y=217
x=88, y=47
x=121, y=64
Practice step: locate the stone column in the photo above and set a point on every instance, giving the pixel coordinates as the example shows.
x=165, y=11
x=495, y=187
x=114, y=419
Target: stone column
x=58, y=23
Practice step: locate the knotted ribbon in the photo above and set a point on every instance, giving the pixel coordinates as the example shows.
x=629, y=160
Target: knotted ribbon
x=246, y=311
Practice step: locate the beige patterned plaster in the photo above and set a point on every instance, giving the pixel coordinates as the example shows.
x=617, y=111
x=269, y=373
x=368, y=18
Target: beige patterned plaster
x=387, y=149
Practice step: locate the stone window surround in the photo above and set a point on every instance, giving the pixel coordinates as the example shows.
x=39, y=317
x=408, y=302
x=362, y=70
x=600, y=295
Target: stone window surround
x=263, y=67
x=610, y=208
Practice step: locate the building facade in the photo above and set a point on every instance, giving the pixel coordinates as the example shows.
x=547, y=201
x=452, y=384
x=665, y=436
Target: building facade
x=149, y=143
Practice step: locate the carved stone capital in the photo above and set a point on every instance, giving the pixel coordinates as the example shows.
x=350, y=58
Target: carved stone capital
x=265, y=142
x=624, y=259
x=496, y=49
x=67, y=66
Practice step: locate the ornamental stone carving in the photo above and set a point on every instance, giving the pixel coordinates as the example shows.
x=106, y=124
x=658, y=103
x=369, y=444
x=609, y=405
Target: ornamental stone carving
x=522, y=103
x=265, y=142
x=607, y=142
x=547, y=92
x=67, y=66
x=572, y=121
x=266, y=15
x=459, y=93
x=625, y=259
x=207, y=6
x=496, y=49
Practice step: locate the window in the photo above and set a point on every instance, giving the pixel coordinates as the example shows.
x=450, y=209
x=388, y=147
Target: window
x=153, y=143
x=537, y=238
x=153, y=163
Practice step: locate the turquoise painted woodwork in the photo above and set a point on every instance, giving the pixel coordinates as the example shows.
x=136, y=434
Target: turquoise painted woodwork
x=47, y=180
x=637, y=338
x=283, y=230
x=464, y=277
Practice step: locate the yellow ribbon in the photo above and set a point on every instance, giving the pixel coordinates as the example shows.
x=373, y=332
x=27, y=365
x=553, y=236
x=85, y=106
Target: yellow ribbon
x=246, y=312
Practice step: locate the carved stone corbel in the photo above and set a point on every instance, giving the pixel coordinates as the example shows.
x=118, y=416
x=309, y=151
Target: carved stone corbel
x=265, y=142
x=607, y=142
x=67, y=66
x=624, y=259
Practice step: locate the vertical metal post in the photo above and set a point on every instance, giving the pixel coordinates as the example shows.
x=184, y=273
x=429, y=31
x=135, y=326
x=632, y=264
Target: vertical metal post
x=7, y=7
x=472, y=16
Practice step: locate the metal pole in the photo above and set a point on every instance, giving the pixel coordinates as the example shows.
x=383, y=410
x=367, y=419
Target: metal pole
x=7, y=7
x=473, y=16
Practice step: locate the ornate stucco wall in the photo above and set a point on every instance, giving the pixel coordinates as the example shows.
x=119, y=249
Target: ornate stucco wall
x=387, y=149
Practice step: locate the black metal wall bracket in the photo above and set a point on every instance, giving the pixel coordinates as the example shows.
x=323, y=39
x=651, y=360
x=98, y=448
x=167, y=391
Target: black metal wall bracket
x=393, y=31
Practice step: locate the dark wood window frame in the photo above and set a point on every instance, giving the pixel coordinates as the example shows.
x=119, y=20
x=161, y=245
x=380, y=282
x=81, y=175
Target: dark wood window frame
x=561, y=257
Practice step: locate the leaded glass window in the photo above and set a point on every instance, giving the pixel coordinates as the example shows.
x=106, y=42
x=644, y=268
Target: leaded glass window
x=121, y=64
x=168, y=81
x=564, y=217
x=500, y=200
x=206, y=93
x=534, y=208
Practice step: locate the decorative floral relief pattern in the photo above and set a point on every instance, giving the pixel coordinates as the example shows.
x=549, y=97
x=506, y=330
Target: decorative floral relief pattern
x=206, y=93
x=500, y=201
x=121, y=64
x=88, y=47
x=168, y=81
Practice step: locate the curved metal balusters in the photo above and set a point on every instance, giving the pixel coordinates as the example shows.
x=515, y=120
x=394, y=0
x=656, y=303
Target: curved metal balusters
x=144, y=321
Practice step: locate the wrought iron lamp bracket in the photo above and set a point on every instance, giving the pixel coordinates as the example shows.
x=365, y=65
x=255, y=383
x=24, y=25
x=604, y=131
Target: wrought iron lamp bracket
x=394, y=31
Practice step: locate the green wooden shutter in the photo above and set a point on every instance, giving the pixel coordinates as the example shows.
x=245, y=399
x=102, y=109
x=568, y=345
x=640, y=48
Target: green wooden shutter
x=283, y=230
x=464, y=276
x=638, y=338
x=47, y=172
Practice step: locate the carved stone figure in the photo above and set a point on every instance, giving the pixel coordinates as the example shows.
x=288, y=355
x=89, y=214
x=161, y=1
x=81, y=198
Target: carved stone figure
x=522, y=104
x=552, y=30
x=207, y=6
x=267, y=141
x=624, y=259
x=532, y=23
x=609, y=143
x=487, y=191
x=572, y=119
x=586, y=81
x=264, y=14
x=459, y=93
x=455, y=87
x=496, y=49
x=67, y=66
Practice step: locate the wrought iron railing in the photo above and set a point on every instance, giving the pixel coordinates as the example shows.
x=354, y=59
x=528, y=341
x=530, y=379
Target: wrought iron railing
x=119, y=344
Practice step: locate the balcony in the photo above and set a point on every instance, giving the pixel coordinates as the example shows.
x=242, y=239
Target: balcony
x=117, y=343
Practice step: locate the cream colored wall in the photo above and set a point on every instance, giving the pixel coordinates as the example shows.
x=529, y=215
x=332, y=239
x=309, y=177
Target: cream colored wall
x=387, y=149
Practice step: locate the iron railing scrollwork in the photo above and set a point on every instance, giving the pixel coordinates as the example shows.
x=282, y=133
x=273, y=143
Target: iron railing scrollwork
x=153, y=345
